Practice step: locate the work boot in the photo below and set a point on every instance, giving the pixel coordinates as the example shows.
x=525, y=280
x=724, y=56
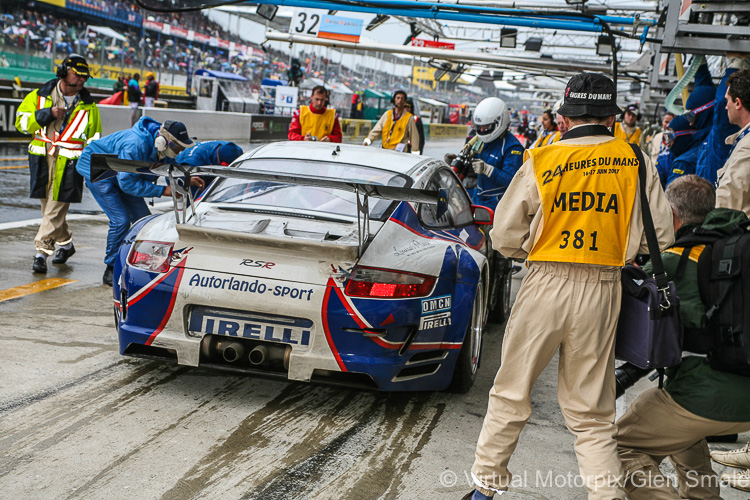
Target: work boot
x=476, y=495
x=107, y=278
x=39, y=265
x=739, y=480
x=63, y=254
x=734, y=458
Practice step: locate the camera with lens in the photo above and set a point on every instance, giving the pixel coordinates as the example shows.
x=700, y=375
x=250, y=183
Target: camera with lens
x=627, y=374
x=461, y=164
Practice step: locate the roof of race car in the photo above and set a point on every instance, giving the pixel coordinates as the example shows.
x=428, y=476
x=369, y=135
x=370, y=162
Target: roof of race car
x=384, y=159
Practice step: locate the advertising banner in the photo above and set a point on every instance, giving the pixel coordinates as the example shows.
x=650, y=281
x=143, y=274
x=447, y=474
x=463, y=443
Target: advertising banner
x=346, y=29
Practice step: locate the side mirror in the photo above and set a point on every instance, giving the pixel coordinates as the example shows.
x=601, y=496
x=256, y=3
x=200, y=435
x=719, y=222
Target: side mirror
x=482, y=215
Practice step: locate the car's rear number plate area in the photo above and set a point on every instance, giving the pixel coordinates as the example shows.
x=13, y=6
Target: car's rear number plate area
x=248, y=325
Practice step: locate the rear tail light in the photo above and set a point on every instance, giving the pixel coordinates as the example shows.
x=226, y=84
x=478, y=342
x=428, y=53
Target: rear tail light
x=386, y=283
x=151, y=255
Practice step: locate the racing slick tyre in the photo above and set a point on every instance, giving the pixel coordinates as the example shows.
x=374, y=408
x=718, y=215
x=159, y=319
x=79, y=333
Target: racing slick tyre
x=467, y=365
x=501, y=281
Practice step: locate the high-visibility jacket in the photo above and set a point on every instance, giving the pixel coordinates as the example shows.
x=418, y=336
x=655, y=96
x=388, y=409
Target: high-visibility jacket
x=587, y=195
x=633, y=137
x=83, y=126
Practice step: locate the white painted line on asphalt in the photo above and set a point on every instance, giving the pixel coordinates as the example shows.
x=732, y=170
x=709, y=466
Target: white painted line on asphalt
x=36, y=222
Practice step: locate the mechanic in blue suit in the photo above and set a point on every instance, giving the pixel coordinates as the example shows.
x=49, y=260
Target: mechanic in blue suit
x=713, y=152
x=209, y=153
x=683, y=142
x=121, y=197
x=693, y=127
x=501, y=154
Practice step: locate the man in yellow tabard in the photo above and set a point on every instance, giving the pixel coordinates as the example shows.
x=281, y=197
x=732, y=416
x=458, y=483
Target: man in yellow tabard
x=573, y=212
x=396, y=127
x=316, y=122
x=627, y=129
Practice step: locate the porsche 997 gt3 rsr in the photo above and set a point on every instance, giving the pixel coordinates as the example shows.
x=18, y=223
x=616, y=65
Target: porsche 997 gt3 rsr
x=313, y=261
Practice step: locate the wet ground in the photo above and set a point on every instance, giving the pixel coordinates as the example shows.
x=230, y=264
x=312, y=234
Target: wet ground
x=77, y=420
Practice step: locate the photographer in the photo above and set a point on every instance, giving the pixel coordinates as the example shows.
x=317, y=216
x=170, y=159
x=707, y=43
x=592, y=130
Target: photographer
x=316, y=122
x=500, y=156
x=697, y=400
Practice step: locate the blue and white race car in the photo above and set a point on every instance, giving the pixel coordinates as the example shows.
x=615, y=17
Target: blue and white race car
x=307, y=261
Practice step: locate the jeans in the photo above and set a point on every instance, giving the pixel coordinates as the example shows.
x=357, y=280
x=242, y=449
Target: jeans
x=121, y=208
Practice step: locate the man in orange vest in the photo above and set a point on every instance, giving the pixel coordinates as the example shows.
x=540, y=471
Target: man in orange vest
x=396, y=127
x=316, y=122
x=573, y=212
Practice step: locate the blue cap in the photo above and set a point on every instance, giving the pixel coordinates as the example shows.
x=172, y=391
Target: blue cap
x=228, y=152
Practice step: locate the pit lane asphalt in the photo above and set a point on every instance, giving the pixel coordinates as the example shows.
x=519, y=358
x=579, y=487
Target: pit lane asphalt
x=79, y=421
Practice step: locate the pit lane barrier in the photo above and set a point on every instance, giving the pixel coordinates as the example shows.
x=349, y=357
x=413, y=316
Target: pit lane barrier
x=211, y=125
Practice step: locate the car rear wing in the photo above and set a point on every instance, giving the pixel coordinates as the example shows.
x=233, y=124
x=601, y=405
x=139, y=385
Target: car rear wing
x=105, y=166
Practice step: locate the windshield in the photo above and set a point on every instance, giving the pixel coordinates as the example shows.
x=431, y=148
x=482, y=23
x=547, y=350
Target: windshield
x=281, y=197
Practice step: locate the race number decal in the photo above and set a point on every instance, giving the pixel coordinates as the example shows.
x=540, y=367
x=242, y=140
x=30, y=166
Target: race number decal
x=306, y=21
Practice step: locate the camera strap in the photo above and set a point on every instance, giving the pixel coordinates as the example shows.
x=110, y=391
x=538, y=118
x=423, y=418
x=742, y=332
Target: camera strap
x=660, y=275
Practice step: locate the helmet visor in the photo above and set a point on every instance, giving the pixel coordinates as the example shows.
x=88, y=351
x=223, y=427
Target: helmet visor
x=486, y=129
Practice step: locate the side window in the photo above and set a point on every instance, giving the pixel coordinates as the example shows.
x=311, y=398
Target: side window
x=458, y=212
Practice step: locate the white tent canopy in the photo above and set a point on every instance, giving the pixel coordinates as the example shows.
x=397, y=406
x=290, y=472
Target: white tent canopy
x=341, y=89
x=107, y=32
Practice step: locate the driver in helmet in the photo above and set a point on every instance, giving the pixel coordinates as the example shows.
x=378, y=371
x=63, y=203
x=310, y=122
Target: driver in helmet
x=500, y=155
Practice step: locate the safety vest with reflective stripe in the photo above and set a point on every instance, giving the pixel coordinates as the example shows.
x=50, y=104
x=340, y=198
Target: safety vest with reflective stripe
x=319, y=125
x=587, y=194
x=84, y=125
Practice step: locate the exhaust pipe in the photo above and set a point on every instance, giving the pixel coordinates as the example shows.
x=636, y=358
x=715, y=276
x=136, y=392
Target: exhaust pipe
x=231, y=351
x=263, y=354
x=258, y=355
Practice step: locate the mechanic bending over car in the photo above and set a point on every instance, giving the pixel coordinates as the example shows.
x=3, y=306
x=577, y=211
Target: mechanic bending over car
x=121, y=197
x=575, y=257
x=316, y=122
x=697, y=400
x=396, y=127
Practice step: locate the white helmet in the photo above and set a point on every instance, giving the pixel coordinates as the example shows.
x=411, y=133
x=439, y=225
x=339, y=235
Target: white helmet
x=491, y=119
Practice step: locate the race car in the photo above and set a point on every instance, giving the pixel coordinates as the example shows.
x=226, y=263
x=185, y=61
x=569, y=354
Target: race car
x=311, y=261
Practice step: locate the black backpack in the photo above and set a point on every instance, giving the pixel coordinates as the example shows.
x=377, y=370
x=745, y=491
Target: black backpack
x=724, y=285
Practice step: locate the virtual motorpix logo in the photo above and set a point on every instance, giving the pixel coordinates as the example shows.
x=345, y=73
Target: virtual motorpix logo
x=248, y=286
x=548, y=479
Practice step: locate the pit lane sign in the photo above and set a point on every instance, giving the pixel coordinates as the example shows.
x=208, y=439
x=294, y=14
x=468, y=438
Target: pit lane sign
x=8, y=109
x=431, y=44
x=307, y=21
x=318, y=23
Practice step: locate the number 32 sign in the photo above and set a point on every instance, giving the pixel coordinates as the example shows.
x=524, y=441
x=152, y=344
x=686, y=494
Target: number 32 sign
x=306, y=21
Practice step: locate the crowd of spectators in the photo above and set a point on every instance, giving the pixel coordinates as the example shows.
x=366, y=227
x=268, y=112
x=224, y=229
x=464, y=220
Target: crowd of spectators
x=63, y=31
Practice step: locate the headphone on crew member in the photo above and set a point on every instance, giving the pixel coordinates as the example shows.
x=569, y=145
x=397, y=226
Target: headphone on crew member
x=161, y=143
x=62, y=68
x=551, y=117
